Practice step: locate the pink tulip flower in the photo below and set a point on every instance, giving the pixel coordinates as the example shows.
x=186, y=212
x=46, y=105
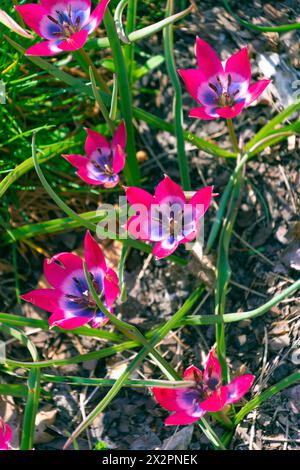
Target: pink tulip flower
x=221, y=91
x=65, y=24
x=103, y=161
x=206, y=395
x=69, y=300
x=166, y=218
x=5, y=435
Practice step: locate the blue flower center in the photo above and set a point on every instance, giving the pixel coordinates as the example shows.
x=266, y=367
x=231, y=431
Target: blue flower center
x=224, y=96
x=66, y=23
x=84, y=299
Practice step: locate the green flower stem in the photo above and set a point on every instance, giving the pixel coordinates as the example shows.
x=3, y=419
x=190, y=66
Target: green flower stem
x=232, y=135
x=100, y=102
x=131, y=170
x=211, y=435
x=89, y=63
x=129, y=49
x=177, y=102
x=224, y=273
x=136, y=383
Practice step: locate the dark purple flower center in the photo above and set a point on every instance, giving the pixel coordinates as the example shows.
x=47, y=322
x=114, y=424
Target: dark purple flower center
x=66, y=23
x=85, y=300
x=224, y=95
x=205, y=388
x=104, y=163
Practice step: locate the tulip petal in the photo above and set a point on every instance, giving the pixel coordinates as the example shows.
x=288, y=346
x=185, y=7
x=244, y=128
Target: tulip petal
x=44, y=49
x=206, y=113
x=119, y=159
x=63, y=4
x=5, y=435
x=255, y=90
x=202, y=199
x=67, y=320
x=136, y=195
x=47, y=299
x=138, y=227
x=62, y=266
x=213, y=370
x=119, y=137
x=238, y=387
x=165, y=248
x=169, y=398
x=197, y=86
x=96, y=16
x=208, y=61
x=111, y=287
x=216, y=401
x=35, y=16
x=231, y=112
x=182, y=419
x=78, y=161
x=169, y=192
x=93, y=255
x=75, y=42
x=94, y=142
x=191, y=372
x=238, y=65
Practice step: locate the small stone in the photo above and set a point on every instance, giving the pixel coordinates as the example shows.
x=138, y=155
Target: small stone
x=264, y=420
x=276, y=344
x=294, y=398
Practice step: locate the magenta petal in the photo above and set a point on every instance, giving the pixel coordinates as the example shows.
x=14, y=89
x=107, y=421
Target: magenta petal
x=181, y=419
x=119, y=159
x=94, y=142
x=208, y=61
x=238, y=387
x=34, y=16
x=96, y=16
x=213, y=368
x=193, y=79
x=205, y=113
x=61, y=267
x=47, y=299
x=67, y=321
x=136, y=195
x=75, y=42
x=85, y=176
x=76, y=4
x=255, y=90
x=93, y=254
x=238, y=65
x=231, y=112
x=78, y=161
x=168, y=397
x=44, y=49
x=202, y=198
x=216, y=401
x=111, y=287
x=191, y=372
x=119, y=137
x=164, y=248
x=5, y=435
x=139, y=227
x=169, y=192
